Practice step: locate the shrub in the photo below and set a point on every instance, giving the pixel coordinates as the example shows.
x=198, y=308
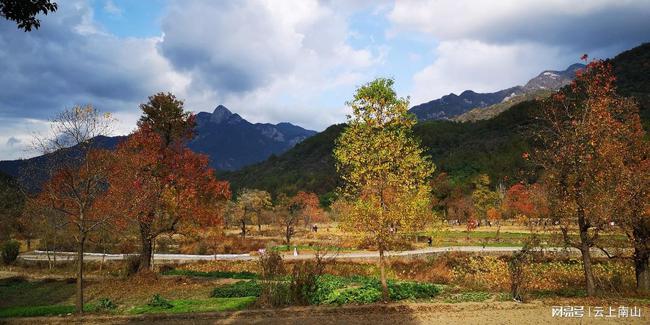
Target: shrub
x=238, y=289
x=105, y=304
x=271, y=265
x=303, y=280
x=131, y=265
x=275, y=294
x=159, y=302
x=10, y=251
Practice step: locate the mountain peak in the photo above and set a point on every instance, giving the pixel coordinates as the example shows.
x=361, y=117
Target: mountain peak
x=220, y=114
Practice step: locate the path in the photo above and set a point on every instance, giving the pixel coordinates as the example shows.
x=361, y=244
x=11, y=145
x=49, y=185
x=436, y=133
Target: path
x=69, y=256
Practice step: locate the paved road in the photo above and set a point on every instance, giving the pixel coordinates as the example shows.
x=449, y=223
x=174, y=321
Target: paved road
x=67, y=256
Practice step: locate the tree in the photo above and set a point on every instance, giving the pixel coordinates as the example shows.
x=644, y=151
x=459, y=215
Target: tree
x=310, y=207
x=383, y=168
x=632, y=209
x=253, y=202
x=162, y=192
x=24, y=12
x=483, y=198
x=79, y=178
x=12, y=202
x=161, y=186
x=581, y=134
x=287, y=214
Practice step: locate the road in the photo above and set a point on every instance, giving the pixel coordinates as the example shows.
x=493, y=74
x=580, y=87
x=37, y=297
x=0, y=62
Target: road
x=68, y=256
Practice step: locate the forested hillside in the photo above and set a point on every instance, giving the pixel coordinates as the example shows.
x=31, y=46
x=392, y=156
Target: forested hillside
x=463, y=150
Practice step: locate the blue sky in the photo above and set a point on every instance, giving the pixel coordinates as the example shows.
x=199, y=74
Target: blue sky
x=289, y=60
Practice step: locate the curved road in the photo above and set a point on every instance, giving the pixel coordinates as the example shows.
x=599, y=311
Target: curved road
x=68, y=256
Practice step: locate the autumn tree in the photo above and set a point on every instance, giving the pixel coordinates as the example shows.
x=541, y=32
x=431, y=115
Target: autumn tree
x=582, y=137
x=79, y=176
x=632, y=209
x=383, y=168
x=483, y=198
x=287, y=214
x=310, y=207
x=160, y=185
x=253, y=202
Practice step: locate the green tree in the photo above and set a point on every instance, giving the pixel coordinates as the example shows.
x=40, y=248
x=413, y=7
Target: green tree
x=383, y=169
x=483, y=198
x=164, y=114
x=12, y=201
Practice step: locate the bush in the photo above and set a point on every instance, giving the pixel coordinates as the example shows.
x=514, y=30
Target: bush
x=10, y=251
x=238, y=289
x=105, y=304
x=131, y=266
x=275, y=294
x=303, y=280
x=159, y=302
x=271, y=265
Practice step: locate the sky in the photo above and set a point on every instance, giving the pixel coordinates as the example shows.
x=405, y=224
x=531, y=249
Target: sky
x=294, y=61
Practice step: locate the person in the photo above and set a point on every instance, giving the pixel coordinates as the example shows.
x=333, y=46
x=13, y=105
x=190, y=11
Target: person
x=295, y=251
x=430, y=241
x=314, y=228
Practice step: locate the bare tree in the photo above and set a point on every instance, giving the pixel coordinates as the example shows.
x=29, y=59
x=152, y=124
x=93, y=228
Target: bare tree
x=79, y=170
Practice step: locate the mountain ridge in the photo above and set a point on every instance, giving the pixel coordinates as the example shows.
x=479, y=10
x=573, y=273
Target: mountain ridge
x=451, y=106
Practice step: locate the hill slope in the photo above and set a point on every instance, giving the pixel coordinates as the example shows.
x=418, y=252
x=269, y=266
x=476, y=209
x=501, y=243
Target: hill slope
x=493, y=146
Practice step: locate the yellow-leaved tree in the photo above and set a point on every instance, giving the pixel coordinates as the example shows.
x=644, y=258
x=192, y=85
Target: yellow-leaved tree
x=383, y=169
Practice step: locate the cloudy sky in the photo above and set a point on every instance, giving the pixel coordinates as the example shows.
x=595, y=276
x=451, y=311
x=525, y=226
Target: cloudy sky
x=282, y=60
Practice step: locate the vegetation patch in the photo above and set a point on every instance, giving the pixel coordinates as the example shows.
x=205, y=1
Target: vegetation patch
x=238, y=289
x=35, y=311
x=362, y=290
x=474, y=296
x=197, y=306
x=212, y=274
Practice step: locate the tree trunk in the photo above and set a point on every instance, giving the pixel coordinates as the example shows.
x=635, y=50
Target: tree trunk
x=243, y=229
x=80, y=273
x=145, y=251
x=589, y=274
x=586, y=253
x=288, y=235
x=384, y=285
x=642, y=268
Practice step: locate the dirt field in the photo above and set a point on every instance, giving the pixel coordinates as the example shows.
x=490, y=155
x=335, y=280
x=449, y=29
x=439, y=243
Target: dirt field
x=421, y=313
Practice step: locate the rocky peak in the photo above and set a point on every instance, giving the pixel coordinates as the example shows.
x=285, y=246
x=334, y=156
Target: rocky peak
x=220, y=114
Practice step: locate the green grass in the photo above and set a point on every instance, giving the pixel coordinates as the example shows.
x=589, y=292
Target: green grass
x=213, y=274
x=197, y=306
x=35, y=311
x=17, y=292
x=474, y=296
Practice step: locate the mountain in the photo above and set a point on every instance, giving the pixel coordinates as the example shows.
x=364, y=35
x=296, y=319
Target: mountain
x=462, y=150
x=452, y=105
x=232, y=142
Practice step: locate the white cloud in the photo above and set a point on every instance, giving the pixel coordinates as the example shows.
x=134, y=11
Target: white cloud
x=462, y=65
x=267, y=60
x=111, y=8
x=491, y=45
